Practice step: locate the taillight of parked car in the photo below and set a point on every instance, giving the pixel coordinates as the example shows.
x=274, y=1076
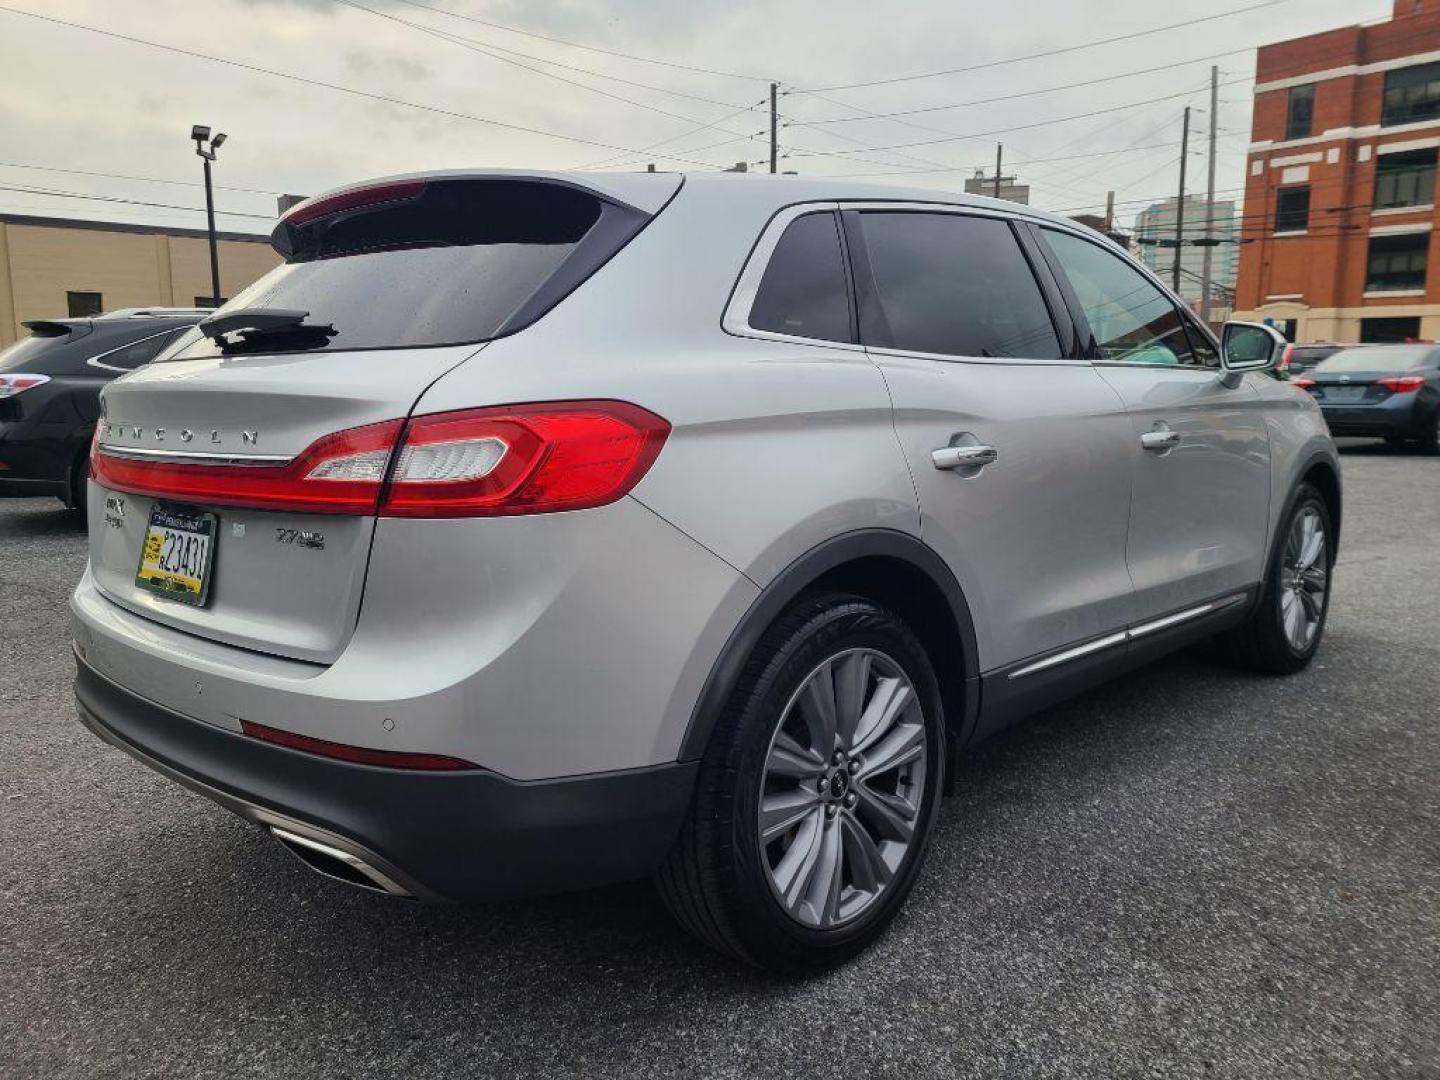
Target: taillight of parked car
x=1302, y=382
x=1402, y=384
x=517, y=459
x=10, y=385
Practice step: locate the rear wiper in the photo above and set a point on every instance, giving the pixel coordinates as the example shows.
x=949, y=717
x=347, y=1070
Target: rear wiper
x=268, y=328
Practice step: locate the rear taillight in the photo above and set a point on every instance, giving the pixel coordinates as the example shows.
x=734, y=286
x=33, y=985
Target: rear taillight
x=1303, y=383
x=519, y=459
x=1402, y=384
x=523, y=459
x=10, y=385
x=339, y=474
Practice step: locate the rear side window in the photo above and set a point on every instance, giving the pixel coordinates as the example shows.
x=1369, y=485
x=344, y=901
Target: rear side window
x=1131, y=320
x=803, y=292
x=446, y=262
x=952, y=284
x=129, y=357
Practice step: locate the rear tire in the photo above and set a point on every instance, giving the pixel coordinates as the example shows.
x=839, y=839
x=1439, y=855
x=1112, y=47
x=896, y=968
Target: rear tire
x=844, y=832
x=1430, y=442
x=79, y=476
x=1285, y=629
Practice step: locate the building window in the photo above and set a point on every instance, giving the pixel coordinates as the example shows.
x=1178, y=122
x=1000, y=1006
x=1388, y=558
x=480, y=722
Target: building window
x=1406, y=179
x=1397, y=262
x=1300, y=113
x=1411, y=94
x=1393, y=331
x=83, y=304
x=1292, y=209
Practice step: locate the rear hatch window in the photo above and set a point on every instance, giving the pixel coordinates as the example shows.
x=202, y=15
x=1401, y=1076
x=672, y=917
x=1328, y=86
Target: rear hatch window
x=47, y=342
x=435, y=262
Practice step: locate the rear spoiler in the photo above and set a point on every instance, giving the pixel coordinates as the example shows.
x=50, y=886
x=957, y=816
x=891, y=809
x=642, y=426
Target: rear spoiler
x=49, y=327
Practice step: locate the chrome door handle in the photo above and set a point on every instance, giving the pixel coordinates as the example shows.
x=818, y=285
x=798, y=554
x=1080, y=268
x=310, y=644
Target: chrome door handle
x=1160, y=440
x=964, y=457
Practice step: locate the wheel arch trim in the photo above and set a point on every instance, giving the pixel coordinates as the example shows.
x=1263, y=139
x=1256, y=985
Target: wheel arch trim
x=791, y=582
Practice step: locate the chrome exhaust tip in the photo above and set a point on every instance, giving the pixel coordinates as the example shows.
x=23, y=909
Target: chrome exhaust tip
x=334, y=863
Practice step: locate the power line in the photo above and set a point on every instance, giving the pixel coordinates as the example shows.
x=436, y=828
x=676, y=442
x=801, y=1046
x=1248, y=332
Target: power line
x=129, y=202
x=127, y=176
x=1050, y=52
x=1037, y=124
x=1012, y=97
x=589, y=48
x=338, y=88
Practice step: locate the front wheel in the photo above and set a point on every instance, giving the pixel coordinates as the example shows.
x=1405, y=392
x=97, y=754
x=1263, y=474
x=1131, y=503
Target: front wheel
x=817, y=794
x=1285, y=629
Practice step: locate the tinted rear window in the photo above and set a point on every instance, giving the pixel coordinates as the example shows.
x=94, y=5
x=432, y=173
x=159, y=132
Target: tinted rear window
x=1385, y=358
x=22, y=355
x=453, y=265
x=803, y=291
x=953, y=284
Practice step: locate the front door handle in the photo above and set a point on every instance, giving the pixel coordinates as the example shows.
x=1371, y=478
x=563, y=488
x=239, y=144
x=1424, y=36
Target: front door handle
x=964, y=457
x=1161, y=439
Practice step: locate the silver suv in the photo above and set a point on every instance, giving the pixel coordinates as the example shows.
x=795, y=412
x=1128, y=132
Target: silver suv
x=527, y=532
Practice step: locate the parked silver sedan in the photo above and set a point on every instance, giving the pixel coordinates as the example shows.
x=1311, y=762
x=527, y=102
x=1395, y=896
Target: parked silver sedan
x=526, y=532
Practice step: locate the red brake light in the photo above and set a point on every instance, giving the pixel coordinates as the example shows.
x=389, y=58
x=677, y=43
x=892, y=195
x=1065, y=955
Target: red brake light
x=361, y=755
x=517, y=459
x=1302, y=382
x=373, y=195
x=522, y=459
x=339, y=474
x=1402, y=384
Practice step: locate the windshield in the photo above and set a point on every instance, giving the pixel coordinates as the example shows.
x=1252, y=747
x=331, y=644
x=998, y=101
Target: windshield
x=1377, y=358
x=451, y=265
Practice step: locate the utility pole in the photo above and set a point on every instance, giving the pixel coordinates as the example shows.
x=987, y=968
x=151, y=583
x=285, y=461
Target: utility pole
x=1180, y=203
x=999, y=157
x=774, y=125
x=1209, y=254
x=1109, y=212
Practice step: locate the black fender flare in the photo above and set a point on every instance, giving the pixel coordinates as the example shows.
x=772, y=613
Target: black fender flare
x=776, y=596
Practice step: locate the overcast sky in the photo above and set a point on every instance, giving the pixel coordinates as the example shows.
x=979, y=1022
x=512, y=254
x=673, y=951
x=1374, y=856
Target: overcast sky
x=75, y=100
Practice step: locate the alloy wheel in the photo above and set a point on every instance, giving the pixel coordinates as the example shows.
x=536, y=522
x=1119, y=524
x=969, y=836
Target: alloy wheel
x=843, y=788
x=1304, y=579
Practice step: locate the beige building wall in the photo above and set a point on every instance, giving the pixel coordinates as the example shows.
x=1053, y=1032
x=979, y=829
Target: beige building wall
x=128, y=267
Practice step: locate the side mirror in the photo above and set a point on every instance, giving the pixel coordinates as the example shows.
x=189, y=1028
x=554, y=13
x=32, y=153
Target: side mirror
x=1249, y=347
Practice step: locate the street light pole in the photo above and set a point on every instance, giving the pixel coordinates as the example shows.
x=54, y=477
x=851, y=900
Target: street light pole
x=201, y=134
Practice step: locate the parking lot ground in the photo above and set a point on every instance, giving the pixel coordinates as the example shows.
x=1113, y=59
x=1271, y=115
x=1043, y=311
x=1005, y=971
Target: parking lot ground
x=1192, y=872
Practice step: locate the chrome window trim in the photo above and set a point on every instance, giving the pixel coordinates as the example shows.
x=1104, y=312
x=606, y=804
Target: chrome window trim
x=191, y=457
x=96, y=360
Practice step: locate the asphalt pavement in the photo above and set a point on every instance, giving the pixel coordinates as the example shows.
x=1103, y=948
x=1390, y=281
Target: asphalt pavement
x=1190, y=873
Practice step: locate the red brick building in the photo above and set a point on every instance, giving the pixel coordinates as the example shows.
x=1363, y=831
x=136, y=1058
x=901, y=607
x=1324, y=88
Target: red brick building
x=1340, y=188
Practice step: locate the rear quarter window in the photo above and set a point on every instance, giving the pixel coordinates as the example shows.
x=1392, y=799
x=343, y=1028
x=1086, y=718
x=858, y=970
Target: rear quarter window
x=804, y=292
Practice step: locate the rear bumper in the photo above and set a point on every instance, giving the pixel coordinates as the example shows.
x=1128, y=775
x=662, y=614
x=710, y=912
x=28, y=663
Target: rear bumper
x=1397, y=418
x=470, y=835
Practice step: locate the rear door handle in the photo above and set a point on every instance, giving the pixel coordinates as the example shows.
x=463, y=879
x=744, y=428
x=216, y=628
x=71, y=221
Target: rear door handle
x=964, y=457
x=1161, y=439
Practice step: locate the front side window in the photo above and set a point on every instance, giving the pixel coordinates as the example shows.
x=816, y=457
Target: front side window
x=1292, y=209
x=1132, y=321
x=803, y=292
x=82, y=305
x=952, y=284
x=1300, y=112
x=1405, y=179
x=1411, y=94
x=1397, y=262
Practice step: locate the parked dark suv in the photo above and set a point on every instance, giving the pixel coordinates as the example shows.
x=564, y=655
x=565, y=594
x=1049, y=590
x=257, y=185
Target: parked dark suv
x=50, y=392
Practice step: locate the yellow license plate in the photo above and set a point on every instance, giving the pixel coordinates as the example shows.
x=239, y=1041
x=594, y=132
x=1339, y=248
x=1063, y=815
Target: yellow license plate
x=178, y=554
